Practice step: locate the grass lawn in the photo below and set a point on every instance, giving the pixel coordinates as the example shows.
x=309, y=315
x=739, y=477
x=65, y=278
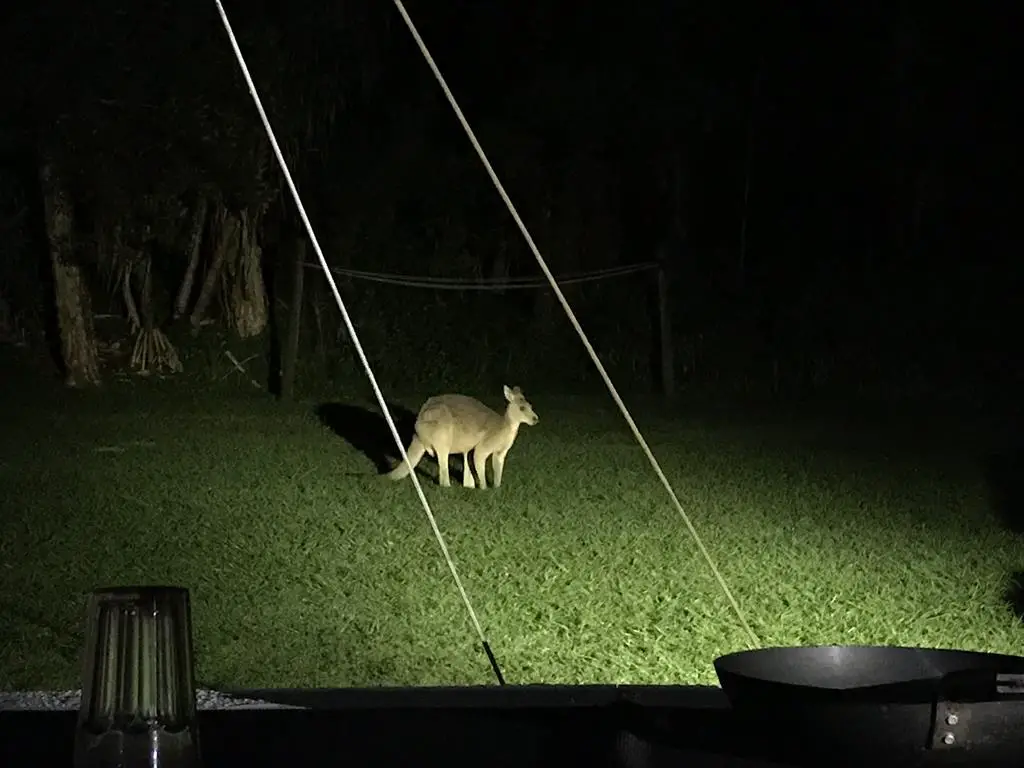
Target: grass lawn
x=307, y=569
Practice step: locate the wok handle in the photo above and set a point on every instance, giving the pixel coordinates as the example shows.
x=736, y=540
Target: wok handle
x=1010, y=685
x=979, y=685
x=956, y=722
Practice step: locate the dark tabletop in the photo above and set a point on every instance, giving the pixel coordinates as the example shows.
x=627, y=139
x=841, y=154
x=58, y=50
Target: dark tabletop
x=632, y=727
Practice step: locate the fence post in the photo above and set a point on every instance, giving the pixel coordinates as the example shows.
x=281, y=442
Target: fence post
x=668, y=376
x=290, y=353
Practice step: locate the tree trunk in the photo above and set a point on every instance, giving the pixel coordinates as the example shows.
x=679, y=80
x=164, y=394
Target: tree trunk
x=248, y=296
x=146, y=295
x=74, y=308
x=226, y=238
x=195, y=242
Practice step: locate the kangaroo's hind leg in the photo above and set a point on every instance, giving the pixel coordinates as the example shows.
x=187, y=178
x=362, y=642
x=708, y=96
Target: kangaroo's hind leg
x=442, y=466
x=480, y=461
x=467, y=472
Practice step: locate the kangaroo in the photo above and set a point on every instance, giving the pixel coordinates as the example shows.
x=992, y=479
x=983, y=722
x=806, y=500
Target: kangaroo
x=449, y=424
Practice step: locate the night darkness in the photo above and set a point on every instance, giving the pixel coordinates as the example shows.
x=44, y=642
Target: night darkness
x=822, y=200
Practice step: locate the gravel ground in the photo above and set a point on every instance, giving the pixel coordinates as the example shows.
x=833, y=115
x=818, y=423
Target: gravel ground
x=64, y=700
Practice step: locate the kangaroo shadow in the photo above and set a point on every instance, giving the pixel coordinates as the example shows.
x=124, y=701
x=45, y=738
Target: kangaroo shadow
x=367, y=431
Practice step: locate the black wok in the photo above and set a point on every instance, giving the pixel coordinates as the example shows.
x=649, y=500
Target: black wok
x=874, y=705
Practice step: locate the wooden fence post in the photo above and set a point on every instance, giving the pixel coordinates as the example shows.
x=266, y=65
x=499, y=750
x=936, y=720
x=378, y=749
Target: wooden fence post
x=668, y=376
x=290, y=356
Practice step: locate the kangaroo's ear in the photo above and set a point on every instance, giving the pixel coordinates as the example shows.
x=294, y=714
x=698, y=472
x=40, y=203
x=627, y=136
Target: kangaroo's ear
x=509, y=394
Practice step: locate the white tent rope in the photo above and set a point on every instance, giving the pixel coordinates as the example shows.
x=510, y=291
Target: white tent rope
x=756, y=643
x=352, y=333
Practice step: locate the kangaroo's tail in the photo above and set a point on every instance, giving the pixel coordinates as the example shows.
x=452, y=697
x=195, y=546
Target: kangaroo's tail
x=416, y=450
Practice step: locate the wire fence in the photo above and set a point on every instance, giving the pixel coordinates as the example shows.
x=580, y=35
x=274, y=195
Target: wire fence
x=487, y=284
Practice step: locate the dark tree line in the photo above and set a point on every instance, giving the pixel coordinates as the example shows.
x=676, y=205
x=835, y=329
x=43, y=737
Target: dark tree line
x=810, y=176
x=155, y=177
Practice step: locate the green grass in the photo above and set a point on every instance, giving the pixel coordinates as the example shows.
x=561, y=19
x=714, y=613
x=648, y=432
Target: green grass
x=307, y=569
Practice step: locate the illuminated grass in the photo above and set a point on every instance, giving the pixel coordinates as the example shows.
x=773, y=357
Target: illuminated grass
x=307, y=569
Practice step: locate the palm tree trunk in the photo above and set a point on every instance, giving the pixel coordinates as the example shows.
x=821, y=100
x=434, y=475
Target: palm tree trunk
x=74, y=307
x=225, y=233
x=248, y=295
x=195, y=241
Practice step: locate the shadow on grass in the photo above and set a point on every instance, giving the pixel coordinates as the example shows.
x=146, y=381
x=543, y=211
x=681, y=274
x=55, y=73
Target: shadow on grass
x=363, y=658
x=367, y=431
x=64, y=642
x=1014, y=594
x=1004, y=473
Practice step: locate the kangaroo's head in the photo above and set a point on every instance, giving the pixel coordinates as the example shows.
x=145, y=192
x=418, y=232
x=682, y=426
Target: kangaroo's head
x=519, y=409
